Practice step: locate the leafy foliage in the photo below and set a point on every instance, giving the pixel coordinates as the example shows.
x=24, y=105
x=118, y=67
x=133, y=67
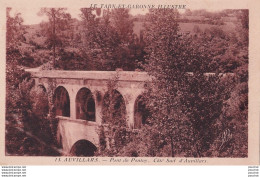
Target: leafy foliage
x=108, y=42
x=187, y=103
x=114, y=134
x=57, y=30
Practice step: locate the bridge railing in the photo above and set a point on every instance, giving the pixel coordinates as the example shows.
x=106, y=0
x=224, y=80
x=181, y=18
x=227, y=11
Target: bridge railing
x=90, y=123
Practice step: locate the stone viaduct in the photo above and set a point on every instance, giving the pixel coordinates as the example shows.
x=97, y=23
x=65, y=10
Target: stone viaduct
x=78, y=98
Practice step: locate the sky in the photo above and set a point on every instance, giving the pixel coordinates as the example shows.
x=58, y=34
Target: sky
x=30, y=16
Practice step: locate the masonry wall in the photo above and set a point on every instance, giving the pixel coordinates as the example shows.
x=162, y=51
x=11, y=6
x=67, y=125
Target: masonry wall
x=130, y=86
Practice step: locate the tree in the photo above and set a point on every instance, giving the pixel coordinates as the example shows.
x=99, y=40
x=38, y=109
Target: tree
x=14, y=73
x=113, y=132
x=14, y=31
x=17, y=84
x=120, y=20
x=56, y=30
x=127, y=50
x=185, y=101
x=229, y=53
x=98, y=40
x=166, y=64
x=108, y=41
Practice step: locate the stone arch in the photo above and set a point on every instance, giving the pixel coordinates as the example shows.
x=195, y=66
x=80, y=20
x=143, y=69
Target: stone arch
x=41, y=86
x=141, y=112
x=83, y=148
x=85, y=105
x=114, y=108
x=61, y=101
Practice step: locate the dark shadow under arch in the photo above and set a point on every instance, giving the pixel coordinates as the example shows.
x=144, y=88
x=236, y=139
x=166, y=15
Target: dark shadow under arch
x=41, y=101
x=114, y=108
x=61, y=102
x=85, y=105
x=41, y=86
x=83, y=148
x=141, y=112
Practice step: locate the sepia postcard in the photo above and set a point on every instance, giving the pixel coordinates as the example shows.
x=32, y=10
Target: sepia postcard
x=129, y=82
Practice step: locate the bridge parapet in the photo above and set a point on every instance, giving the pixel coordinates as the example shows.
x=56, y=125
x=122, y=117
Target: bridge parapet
x=78, y=121
x=90, y=75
